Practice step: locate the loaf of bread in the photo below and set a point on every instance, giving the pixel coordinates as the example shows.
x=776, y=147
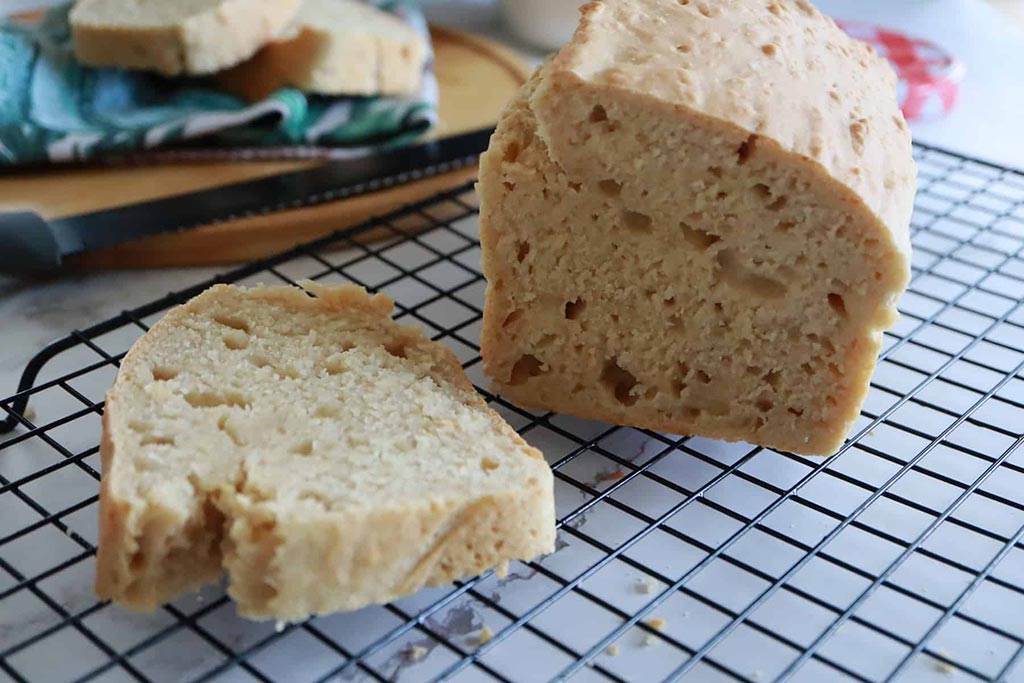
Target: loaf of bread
x=336, y=47
x=175, y=37
x=322, y=455
x=695, y=219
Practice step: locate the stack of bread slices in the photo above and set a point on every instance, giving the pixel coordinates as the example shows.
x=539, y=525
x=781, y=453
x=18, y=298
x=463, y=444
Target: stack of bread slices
x=331, y=47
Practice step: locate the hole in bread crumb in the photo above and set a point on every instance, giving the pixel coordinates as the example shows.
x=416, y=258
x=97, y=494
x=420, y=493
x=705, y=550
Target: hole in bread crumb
x=526, y=367
x=636, y=222
x=509, y=186
x=610, y=188
x=304, y=447
x=718, y=307
x=678, y=386
x=772, y=378
x=232, y=321
x=138, y=561
x=154, y=440
x=619, y=381
x=511, y=152
x=699, y=239
x=651, y=393
x=511, y=318
x=222, y=425
x=835, y=370
x=830, y=400
x=162, y=373
x=779, y=204
x=522, y=251
x=488, y=465
x=327, y=410
x=598, y=114
x=758, y=423
x=837, y=304
x=574, y=309
x=684, y=3
x=704, y=377
x=794, y=411
x=692, y=412
x=705, y=10
x=236, y=340
x=746, y=149
x=683, y=47
x=769, y=49
x=786, y=226
x=736, y=275
x=808, y=370
x=575, y=187
x=398, y=348
x=761, y=191
x=209, y=399
x=764, y=405
x=715, y=171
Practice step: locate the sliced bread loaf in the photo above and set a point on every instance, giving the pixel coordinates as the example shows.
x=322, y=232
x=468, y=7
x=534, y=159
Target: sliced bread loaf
x=336, y=47
x=322, y=455
x=695, y=219
x=175, y=36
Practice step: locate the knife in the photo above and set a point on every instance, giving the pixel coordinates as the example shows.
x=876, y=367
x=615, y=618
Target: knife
x=30, y=244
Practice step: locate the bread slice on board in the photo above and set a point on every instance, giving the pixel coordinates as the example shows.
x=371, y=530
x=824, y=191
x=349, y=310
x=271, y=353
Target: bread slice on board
x=695, y=219
x=175, y=37
x=322, y=455
x=336, y=47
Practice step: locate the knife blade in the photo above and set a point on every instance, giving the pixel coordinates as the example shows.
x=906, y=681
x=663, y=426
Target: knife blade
x=31, y=244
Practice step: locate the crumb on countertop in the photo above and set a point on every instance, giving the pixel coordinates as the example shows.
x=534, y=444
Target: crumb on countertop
x=415, y=653
x=485, y=635
x=612, y=650
x=645, y=585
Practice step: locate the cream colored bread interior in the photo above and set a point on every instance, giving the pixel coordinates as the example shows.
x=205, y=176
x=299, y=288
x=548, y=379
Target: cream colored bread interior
x=359, y=50
x=175, y=36
x=323, y=456
x=656, y=265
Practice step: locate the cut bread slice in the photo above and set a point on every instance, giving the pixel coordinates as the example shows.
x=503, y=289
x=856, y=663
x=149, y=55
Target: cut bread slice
x=322, y=455
x=336, y=47
x=695, y=219
x=175, y=37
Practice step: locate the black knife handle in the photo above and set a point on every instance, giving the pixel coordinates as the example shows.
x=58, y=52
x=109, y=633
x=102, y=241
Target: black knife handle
x=27, y=244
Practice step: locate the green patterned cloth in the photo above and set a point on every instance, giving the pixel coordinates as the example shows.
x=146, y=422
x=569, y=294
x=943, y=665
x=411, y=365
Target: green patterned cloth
x=54, y=110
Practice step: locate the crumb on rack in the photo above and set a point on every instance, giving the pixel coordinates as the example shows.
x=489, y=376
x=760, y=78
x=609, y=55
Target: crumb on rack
x=280, y=626
x=645, y=585
x=29, y=414
x=502, y=569
x=485, y=635
x=658, y=624
x=943, y=667
x=612, y=650
x=648, y=640
x=415, y=653
x=614, y=475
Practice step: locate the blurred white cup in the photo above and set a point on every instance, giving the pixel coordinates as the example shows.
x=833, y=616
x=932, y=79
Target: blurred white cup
x=544, y=23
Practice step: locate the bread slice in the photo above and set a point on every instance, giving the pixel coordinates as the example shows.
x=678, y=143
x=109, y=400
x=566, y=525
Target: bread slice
x=175, y=37
x=322, y=455
x=695, y=219
x=337, y=47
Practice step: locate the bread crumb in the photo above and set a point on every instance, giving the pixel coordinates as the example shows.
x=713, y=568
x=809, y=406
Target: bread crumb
x=485, y=635
x=645, y=585
x=658, y=624
x=612, y=650
x=502, y=569
x=280, y=625
x=29, y=414
x=415, y=653
x=941, y=666
x=648, y=640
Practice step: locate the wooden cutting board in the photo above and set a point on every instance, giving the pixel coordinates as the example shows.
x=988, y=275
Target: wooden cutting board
x=476, y=78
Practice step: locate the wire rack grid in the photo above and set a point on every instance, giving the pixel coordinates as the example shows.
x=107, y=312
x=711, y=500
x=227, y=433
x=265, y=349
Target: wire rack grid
x=679, y=558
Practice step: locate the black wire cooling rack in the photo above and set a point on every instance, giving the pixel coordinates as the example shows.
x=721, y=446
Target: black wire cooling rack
x=899, y=557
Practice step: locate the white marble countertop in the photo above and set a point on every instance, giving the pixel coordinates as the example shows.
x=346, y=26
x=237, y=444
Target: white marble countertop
x=984, y=124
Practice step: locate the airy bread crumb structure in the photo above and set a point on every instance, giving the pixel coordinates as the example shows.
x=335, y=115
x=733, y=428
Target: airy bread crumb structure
x=694, y=219
x=322, y=455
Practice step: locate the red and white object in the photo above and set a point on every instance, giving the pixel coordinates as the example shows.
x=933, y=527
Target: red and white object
x=929, y=77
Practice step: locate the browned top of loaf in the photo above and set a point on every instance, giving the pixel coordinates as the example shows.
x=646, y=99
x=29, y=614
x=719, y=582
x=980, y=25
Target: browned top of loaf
x=775, y=68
